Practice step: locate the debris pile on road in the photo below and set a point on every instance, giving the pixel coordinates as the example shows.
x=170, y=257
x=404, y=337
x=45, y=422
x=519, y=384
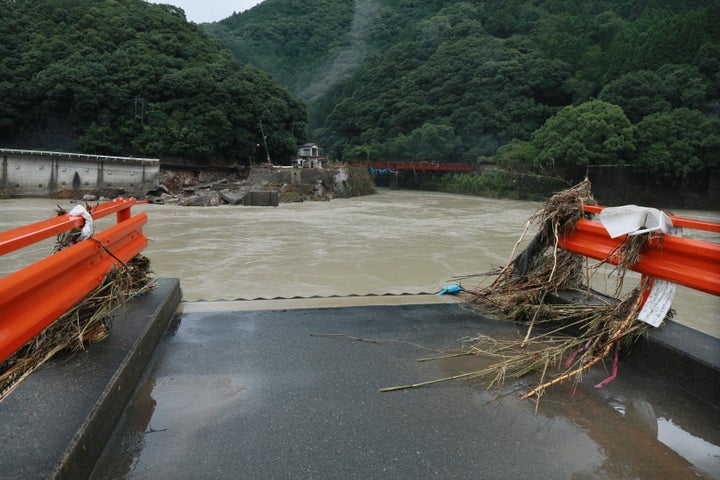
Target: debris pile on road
x=569, y=326
x=563, y=339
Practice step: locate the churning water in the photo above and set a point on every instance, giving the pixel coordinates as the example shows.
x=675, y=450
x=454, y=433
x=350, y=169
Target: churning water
x=389, y=243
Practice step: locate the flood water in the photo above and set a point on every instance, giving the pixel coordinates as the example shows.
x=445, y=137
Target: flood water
x=393, y=242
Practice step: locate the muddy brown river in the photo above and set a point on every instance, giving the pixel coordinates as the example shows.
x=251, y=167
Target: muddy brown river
x=390, y=243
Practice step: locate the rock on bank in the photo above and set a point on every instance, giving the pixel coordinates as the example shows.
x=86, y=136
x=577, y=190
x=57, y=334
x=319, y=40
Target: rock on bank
x=261, y=186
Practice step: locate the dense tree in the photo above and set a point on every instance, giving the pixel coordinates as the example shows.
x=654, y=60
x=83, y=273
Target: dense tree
x=430, y=142
x=517, y=155
x=133, y=78
x=594, y=133
x=659, y=37
x=290, y=39
x=638, y=93
x=684, y=85
x=678, y=144
x=445, y=79
x=644, y=92
x=487, y=90
x=493, y=72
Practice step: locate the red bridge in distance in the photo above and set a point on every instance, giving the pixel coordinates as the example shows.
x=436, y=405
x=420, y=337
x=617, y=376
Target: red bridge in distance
x=421, y=166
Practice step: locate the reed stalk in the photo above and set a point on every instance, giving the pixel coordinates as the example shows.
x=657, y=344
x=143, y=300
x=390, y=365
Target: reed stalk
x=562, y=341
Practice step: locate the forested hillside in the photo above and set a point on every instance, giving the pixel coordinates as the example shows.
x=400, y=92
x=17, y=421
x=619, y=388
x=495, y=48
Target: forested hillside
x=549, y=84
x=546, y=86
x=134, y=78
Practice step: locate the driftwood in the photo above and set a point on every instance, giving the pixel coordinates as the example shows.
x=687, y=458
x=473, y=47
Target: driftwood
x=562, y=340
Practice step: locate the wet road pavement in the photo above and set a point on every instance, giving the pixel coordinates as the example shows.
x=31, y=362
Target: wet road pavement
x=257, y=394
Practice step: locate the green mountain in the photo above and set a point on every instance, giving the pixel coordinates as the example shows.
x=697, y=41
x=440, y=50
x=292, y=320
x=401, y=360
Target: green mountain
x=548, y=83
x=133, y=78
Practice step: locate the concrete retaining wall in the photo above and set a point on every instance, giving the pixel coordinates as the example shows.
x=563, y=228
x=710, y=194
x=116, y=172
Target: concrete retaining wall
x=620, y=185
x=343, y=182
x=38, y=173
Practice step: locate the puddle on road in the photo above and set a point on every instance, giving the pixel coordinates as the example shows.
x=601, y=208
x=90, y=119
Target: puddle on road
x=636, y=427
x=644, y=428
x=163, y=404
x=192, y=398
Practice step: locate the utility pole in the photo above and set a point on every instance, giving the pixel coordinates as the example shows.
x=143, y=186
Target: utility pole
x=264, y=137
x=140, y=108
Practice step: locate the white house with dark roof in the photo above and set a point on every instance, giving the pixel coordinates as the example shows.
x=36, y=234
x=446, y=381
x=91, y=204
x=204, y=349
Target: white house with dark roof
x=310, y=156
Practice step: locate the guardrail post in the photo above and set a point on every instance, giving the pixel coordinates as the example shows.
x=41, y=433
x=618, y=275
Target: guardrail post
x=123, y=215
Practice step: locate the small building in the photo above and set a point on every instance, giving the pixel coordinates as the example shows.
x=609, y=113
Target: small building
x=309, y=156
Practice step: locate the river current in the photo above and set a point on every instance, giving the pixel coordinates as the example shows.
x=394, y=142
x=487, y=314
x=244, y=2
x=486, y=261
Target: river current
x=393, y=242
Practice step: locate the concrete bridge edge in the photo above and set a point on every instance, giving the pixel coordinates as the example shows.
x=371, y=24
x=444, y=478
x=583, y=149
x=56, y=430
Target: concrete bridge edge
x=57, y=422
x=141, y=324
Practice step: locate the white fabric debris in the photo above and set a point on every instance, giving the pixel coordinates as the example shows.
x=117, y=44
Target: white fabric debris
x=661, y=296
x=89, y=227
x=658, y=302
x=634, y=220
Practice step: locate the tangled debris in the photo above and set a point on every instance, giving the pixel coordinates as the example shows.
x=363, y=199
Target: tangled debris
x=87, y=322
x=564, y=337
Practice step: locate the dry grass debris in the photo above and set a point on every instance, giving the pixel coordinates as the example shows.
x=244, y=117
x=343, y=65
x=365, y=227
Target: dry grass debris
x=87, y=322
x=563, y=340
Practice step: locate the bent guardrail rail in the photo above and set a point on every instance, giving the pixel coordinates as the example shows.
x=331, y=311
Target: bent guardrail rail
x=684, y=261
x=35, y=296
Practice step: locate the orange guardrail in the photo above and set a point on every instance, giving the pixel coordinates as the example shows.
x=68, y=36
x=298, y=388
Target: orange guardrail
x=685, y=261
x=35, y=296
x=677, y=221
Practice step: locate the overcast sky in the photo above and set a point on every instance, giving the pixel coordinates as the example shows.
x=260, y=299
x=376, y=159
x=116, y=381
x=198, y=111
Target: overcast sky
x=200, y=11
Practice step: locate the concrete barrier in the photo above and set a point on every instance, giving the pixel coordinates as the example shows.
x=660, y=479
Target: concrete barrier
x=40, y=173
x=56, y=424
x=269, y=198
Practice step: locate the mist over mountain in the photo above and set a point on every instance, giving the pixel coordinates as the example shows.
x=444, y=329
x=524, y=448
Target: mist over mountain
x=545, y=88
x=497, y=81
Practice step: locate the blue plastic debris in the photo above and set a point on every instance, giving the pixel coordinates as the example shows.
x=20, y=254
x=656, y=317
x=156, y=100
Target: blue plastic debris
x=451, y=289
